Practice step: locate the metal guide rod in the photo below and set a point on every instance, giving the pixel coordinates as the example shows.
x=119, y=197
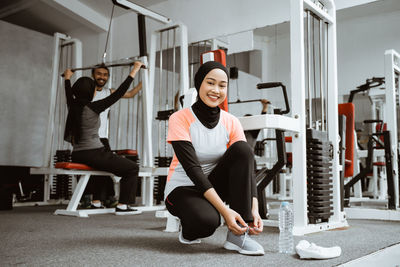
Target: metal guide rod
x=173, y=69
x=309, y=70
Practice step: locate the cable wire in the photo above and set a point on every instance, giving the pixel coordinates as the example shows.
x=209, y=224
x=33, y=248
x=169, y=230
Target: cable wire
x=108, y=35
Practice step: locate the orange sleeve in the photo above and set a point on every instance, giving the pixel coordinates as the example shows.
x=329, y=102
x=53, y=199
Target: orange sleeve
x=233, y=127
x=236, y=133
x=178, y=126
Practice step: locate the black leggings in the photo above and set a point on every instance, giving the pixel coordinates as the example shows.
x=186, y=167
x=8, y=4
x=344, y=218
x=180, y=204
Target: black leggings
x=103, y=160
x=101, y=187
x=234, y=182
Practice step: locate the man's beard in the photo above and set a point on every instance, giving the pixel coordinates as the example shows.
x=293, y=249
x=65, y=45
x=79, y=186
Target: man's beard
x=98, y=84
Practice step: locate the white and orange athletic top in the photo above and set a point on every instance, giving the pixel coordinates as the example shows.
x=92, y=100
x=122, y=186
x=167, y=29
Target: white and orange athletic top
x=209, y=144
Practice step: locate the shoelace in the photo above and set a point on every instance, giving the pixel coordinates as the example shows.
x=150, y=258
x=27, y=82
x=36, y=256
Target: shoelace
x=246, y=234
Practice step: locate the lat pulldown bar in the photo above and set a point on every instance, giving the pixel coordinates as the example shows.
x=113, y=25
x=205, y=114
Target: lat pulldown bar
x=105, y=66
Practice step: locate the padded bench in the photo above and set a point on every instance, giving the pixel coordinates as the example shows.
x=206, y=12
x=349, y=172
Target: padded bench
x=86, y=172
x=74, y=169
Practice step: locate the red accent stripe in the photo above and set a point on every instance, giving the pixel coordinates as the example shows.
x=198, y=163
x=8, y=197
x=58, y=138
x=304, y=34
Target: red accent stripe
x=169, y=201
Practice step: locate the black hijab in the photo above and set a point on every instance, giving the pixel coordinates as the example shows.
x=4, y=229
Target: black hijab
x=83, y=91
x=208, y=116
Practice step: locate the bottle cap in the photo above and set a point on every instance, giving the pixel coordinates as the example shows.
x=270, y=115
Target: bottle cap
x=284, y=203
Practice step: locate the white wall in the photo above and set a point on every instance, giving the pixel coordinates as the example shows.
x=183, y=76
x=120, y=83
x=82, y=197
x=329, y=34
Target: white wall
x=361, y=45
x=25, y=75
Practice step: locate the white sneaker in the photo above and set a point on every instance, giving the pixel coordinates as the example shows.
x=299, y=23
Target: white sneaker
x=307, y=250
x=243, y=244
x=187, y=242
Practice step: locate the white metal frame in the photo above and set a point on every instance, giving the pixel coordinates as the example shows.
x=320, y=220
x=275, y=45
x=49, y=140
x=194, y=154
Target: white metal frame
x=328, y=15
x=392, y=68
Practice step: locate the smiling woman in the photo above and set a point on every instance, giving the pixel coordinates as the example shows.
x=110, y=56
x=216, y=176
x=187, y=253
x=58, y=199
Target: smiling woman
x=214, y=88
x=212, y=164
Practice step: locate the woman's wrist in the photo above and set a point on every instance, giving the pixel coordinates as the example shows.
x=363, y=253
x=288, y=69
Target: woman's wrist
x=254, y=206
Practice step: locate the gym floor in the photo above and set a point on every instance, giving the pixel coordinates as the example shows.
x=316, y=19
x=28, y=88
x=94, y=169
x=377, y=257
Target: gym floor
x=33, y=236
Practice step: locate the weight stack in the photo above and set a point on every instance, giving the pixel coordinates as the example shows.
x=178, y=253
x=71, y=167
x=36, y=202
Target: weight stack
x=159, y=182
x=319, y=176
x=62, y=184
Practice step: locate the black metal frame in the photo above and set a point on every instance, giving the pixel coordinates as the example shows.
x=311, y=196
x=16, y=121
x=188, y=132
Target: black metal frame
x=265, y=176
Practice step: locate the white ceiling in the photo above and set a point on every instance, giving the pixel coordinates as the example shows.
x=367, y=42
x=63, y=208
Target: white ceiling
x=377, y=7
x=43, y=16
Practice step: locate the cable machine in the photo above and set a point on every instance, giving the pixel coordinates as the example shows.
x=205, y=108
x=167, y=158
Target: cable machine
x=168, y=79
x=389, y=113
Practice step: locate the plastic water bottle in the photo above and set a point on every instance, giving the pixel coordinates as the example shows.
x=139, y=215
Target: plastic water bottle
x=286, y=242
